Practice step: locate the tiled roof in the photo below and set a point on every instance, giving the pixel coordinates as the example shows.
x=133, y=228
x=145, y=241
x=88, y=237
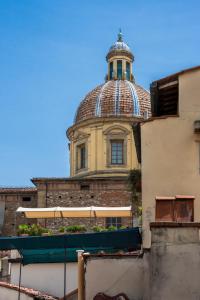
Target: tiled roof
x=115, y=98
x=35, y=294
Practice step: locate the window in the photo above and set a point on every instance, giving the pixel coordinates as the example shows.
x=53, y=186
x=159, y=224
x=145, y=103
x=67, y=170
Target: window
x=85, y=187
x=165, y=96
x=119, y=69
x=127, y=70
x=26, y=199
x=111, y=70
x=175, y=209
x=81, y=156
x=114, y=221
x=117, y=152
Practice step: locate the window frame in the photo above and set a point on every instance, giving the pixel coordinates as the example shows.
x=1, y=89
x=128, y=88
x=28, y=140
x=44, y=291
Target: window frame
x=111, y=70
x=117, y=142
x=119, y=69
x=113, y=221
x=128, y=70
x=79, y=166
x=173, y=208
x=116, y=132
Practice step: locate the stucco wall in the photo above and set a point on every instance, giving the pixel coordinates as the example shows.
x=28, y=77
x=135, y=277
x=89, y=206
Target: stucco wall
x=113, y=276
x=95, y=135
x=170, y=154
x=174, y=264
x=10, y=294
x=47, y=278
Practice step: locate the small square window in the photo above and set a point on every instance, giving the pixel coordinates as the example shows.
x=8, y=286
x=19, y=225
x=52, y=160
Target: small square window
x=85, y=187
x=114, y=221
x=26, y=199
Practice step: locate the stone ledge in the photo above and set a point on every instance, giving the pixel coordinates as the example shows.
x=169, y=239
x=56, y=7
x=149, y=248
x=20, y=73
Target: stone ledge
x=174, y=224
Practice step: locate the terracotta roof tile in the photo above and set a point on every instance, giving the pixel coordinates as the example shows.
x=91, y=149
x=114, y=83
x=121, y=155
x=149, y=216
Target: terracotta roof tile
x=115, y=98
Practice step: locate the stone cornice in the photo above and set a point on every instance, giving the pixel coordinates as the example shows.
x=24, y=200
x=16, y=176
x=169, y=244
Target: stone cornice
x=99, y=121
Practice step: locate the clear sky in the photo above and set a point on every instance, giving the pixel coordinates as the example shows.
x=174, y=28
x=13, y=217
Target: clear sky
x=52, y=52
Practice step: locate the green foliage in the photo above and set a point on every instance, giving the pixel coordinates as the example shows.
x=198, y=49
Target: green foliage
x=123, y=227
x=23, y=229
x=134, y=182
x=75, y=228
x=62, y=229
x=98, y=228
x=33, y=230
x=112, y=228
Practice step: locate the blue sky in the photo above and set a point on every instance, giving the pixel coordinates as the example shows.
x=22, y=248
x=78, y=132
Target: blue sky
x=52, y=52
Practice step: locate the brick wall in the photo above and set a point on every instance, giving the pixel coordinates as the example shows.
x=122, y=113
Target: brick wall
x=101, y=192
x=13, y=198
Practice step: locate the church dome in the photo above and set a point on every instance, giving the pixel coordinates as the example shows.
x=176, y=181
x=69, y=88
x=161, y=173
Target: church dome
x=115, y=98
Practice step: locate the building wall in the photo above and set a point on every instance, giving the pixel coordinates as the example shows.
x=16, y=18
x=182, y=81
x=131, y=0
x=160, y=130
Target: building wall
x=95, y=134
x=11, y=200
x=170, y=153
x=46, y=278
x=11, y=294
x=174, y=264
x=68, y=192
x=113, y=276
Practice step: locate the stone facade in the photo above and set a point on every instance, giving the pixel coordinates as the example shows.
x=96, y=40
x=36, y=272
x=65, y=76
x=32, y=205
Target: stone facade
x=69, y=192
x=10, y=200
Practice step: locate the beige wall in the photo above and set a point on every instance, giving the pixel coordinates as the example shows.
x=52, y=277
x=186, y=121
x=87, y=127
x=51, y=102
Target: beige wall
x=96, y=136
x=47, y=278
x=174, y=264
x=11, y=294
x=170, y=153
x=113, y=276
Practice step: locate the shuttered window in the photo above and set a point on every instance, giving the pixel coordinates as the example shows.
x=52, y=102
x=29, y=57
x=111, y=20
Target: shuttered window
x=178, y=209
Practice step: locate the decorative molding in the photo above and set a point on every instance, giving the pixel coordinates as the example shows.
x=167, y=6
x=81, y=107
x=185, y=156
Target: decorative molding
x=121, y=130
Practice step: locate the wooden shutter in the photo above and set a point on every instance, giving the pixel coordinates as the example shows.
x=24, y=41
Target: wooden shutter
x=164, y=210
x=184, y=210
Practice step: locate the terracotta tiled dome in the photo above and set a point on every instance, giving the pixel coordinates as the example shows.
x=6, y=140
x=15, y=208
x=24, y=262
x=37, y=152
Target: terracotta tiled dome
x=115, y=98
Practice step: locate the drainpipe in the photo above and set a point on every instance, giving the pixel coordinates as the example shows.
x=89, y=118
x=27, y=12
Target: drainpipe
x=81, y=291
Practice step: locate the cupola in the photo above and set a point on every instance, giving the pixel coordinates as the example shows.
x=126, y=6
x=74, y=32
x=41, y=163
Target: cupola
x=120, y=59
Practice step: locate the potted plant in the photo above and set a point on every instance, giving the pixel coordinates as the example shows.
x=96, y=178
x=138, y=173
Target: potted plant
x=62, y=229
x=75, y=229
x=46, y=232
x=98, y=228
x=23, y=230
x=112, y=228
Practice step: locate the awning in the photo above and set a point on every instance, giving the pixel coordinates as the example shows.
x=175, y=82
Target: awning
x=75, y=212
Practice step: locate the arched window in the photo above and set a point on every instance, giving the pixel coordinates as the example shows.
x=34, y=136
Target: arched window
x=111, y=70
x=128, y=73
x=119, y=69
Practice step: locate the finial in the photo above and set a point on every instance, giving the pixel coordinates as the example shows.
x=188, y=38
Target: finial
x=120, y=36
